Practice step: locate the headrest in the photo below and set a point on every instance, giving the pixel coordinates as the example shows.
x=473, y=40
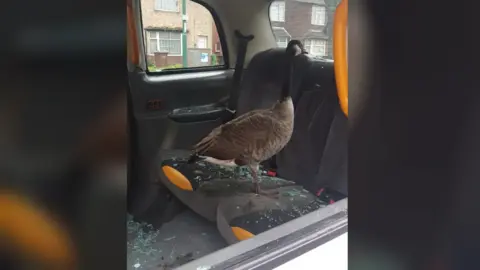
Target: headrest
x=262, y=82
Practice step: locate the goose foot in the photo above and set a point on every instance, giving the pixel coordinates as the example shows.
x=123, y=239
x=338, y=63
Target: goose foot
x=274, y=194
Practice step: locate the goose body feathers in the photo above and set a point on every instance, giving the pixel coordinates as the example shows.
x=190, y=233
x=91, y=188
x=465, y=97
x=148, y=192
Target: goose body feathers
x=252, y=137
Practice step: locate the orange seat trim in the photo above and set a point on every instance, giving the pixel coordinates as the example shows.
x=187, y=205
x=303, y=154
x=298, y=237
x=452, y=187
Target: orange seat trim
x=340, y=53
x=177, y=178
x=242, y=234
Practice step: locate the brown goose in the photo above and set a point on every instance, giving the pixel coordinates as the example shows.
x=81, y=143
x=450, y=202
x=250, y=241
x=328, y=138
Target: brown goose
x=254, y=136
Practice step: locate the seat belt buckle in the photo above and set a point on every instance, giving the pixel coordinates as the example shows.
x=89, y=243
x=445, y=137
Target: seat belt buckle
x=231, y=111
x=271, y=173
x=329, y=196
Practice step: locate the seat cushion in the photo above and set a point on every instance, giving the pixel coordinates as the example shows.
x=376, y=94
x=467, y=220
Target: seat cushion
x=187, y=182
x=224, y=195
x=202, y=186
x=246, y=215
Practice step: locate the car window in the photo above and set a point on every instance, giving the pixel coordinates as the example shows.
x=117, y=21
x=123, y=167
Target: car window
x=308, y=21
x=168, y=45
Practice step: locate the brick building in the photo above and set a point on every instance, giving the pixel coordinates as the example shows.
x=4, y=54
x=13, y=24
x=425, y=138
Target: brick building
x=307, y=20
x=162, y=23
x=216, y=44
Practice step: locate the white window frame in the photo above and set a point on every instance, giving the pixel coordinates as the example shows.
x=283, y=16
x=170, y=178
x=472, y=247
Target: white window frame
x=309, y=44
x=156, y=36
x=200, y=37
x=277, y=11
x=319, y=15
x=218, y=45
x=282, y=40
x=161, y=5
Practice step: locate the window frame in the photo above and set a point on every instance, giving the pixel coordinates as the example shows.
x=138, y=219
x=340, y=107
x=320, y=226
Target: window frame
x=166, y=10
x=270, y=11
x=199, y=37
x=149, y=32
x=221, y=37
x=312, y=40
x=287, y=39
x=282, y=243
x=217, y=47
x=315, y=12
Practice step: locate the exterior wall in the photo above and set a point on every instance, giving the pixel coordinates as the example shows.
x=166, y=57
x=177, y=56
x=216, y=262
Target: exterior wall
x=216, y=40
x=199, y=24
x=331, y=6
x=155, y=18
x=298, y=21
x=298, y=17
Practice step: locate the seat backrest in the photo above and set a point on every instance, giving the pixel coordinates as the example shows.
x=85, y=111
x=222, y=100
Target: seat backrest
x=333, y=168
x=301, y=160
x=316, y=120
x=262, y=82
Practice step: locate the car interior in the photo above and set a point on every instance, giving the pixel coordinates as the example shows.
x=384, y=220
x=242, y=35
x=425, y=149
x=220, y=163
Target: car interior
x=179, y=212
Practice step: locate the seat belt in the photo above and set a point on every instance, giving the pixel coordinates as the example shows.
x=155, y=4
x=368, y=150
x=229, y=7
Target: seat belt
x=237, y=75
x=272, y=162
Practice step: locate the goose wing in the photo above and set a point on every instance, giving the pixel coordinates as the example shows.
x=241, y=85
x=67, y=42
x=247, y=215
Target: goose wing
x=237, y=138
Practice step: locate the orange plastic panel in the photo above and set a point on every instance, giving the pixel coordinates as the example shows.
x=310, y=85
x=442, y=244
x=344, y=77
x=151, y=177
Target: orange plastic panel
x=340, y=53
x=132, y=41
x=34, y=233
x=241, y=234
x=177, y=178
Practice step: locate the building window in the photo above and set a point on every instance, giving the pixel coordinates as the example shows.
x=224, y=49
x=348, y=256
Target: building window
x=218, y=47
x=166, y=5
x=202, y=42
x=277, y=11
x=282, y=42
x=318, y=15
x=165, y=41
x=165, y=48
x=316, y=47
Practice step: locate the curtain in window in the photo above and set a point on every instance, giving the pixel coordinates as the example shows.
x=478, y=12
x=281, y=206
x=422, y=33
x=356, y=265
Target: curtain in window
x=316, y=47
x=277, y=11
x=167, y=5
x=164, y=41
x=318, y=15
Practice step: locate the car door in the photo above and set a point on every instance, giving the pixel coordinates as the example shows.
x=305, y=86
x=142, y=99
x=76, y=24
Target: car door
x=164, y=86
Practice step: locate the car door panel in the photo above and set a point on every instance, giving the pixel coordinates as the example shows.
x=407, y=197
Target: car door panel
x=157, y=103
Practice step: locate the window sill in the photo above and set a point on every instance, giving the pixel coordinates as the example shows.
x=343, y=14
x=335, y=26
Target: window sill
x=166, y=10
x=318, y=55
x=152, y=54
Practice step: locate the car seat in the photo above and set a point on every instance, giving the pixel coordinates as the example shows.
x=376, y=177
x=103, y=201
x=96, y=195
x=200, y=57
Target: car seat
x=315, y=159
x=221, y=195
